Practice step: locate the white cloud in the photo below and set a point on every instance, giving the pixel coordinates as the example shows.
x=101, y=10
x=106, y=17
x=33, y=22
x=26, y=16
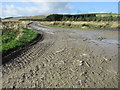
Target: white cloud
x=104, y=11
x=101, y=12
x=36, y=9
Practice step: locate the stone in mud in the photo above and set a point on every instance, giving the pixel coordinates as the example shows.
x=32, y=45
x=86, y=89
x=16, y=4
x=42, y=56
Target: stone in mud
x=85, y=55
x=81, y=63
x=81, y=82
x=87, y=64
x=60, y=50
x=37, y=68
x=83, y=73
x=106, y=59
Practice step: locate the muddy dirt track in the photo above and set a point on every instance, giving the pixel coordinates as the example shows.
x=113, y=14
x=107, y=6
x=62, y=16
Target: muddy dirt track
x=66, y=58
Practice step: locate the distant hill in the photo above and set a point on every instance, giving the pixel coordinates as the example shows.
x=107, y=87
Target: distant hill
x=8, y=18
x=84, y=17
x=27, y=17
x=59, y=17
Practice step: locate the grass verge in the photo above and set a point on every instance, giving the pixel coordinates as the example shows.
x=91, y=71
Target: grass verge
x=10, y=39
x=82, y=25
x=86, y=26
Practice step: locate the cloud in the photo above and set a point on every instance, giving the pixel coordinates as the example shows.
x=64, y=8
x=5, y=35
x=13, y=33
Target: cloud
x=100, y=12
x=104, y=12
x=12, y=10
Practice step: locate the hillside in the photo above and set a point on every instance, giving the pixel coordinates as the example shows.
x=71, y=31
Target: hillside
x=64, y=17
x=27, y=17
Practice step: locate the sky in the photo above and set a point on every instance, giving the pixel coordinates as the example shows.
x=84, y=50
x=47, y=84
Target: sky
x=16, y=9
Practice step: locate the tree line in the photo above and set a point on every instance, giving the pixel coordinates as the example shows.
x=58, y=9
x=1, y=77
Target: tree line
x=84, y=17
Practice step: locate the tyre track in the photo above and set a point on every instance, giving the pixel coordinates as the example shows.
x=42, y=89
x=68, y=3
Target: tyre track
x=63, y=59
x=29, y=56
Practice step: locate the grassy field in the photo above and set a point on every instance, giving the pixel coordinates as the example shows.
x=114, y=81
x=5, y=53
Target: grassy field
x=81, y=24
x=16, y=34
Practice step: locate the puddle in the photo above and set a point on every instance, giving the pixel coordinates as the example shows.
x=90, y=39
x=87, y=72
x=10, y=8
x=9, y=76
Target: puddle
x=112, y=41
x=107, y=41
x=72, y=39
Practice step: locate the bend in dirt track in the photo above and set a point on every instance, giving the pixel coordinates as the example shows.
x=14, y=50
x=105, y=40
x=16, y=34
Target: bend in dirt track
x=66, y=58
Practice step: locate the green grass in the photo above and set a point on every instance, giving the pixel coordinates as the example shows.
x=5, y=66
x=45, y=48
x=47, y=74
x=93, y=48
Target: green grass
x=9, y=39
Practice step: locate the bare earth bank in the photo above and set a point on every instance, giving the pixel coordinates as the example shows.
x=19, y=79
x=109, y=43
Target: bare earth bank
x=66, y=58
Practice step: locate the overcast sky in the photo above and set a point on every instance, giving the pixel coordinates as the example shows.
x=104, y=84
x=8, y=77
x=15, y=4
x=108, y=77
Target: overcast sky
x=15, y=9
